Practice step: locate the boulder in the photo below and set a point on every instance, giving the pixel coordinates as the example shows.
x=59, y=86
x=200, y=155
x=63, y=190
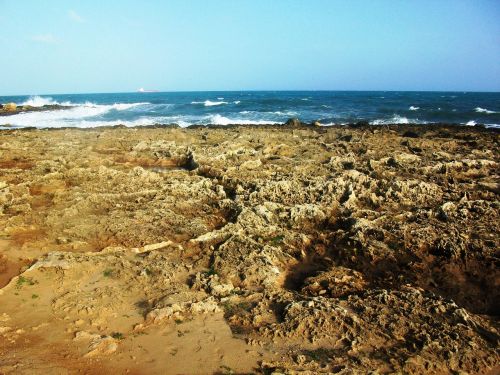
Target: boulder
x=10, y=107
x=295, y=122
x=315, y=123
x=410, y=134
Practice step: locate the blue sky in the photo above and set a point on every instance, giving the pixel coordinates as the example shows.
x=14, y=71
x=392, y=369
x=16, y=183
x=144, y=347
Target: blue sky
x=49, y=47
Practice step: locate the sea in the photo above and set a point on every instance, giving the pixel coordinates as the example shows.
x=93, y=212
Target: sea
x=257, y=107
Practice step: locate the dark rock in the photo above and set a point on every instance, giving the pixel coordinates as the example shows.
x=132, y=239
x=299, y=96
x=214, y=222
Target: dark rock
x=410, y=134
x=359, y=124
x=295, y=122
x=346, y=138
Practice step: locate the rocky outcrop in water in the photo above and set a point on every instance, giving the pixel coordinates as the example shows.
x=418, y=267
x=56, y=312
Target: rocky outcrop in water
x=12, y=109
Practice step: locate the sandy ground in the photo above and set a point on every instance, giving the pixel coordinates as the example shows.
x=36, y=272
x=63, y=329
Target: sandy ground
x=249, y=250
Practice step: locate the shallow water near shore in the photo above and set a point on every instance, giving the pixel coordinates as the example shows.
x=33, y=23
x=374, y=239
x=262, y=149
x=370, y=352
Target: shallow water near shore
x=257, y=107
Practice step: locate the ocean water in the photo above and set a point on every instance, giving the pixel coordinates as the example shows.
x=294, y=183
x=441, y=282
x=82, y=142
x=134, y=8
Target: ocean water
x=258, y=107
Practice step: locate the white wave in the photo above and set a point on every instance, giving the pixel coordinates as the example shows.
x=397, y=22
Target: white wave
x=73, y=116
x=412, y=108
x=220, y=98
x=209, y=103
x=396, y=119
x=483, y=110
x=123, y=106
x=470, y=123
x=280, y=113
x=237, y=102
x=221, y=120
x=39, y=101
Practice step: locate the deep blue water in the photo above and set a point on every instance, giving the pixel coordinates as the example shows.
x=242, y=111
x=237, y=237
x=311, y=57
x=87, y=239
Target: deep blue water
x=255, y=107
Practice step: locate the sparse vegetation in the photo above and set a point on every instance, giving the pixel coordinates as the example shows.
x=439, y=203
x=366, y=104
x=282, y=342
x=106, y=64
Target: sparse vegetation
x=277, y=240
x=25, y=281
x=211, y=271
x=117, y=335
x=108, y=272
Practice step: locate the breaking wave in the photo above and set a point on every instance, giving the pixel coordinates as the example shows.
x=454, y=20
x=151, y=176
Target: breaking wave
x=39, y=101
x=221, y=120
x=412, y=108
x=483, y=110
x=209, y=103
x=73, y=116
x=394, y=120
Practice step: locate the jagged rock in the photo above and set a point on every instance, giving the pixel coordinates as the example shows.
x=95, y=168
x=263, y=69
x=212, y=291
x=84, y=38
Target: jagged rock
x=337, y=282
x=321, y=244
x=293, y=122
x=251, y=164
x=182, y=310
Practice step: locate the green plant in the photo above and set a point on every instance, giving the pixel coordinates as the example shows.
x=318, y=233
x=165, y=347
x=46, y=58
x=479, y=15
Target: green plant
x=24, y=281
x=277, y=240
x=211, y=271
x=108, y=272
x=117, y=335
x=34, y=296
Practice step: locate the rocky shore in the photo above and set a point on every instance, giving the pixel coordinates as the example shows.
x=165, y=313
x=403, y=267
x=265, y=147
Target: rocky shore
x=250, y=249
x=9, y=109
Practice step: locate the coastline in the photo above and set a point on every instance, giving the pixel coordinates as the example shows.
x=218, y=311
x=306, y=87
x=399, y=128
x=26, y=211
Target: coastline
x=353, y=125
x=271, y=248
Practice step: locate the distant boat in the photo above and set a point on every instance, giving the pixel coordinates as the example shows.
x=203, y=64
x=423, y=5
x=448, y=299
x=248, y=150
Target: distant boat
x=143, y=90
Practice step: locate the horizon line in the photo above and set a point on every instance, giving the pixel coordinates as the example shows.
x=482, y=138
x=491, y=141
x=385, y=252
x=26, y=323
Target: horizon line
x=199, y=91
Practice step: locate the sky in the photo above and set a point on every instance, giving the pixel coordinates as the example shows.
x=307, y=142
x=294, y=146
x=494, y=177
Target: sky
x=51, y=47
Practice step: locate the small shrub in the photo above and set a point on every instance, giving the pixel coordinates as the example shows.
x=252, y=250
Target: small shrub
x=25, y=281
x=108, y=272
x=277, y=240
x=117, y=335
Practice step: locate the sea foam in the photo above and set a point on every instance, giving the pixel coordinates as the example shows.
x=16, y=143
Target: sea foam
x=412, y=108
x=396, y=119
x=39, y=101
x=72, y=116
x=483, y=110
x=221, y=120
x=209, y=103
